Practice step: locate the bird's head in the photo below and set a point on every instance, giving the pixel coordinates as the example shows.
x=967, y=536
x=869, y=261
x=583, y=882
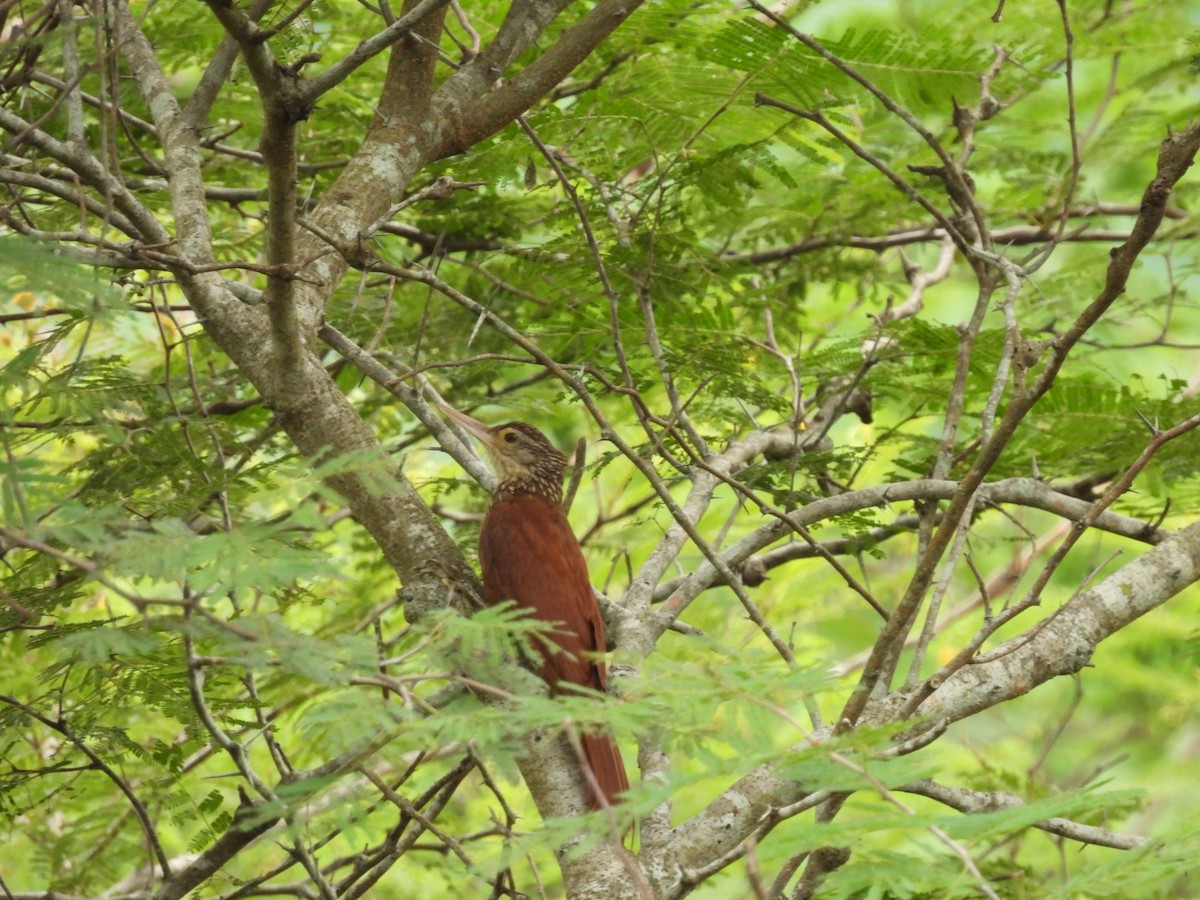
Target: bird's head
x=522, y=457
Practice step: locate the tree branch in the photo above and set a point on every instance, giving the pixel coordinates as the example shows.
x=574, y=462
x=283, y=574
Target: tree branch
x=1175, y=158
x=467, y=125
x=970, y=802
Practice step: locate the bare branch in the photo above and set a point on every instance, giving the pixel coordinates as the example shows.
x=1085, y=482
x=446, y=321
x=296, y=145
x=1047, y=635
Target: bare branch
x=396, y=31
x=489, y=113
x=1021, y=491
x=1062, y=644
x=970, y=801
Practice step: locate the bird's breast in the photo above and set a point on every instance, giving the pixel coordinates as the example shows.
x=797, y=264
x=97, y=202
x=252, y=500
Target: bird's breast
x=527, y=549
x=529, y=554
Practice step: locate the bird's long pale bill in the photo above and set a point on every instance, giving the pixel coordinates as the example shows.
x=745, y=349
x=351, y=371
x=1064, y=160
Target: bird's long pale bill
x=473, y=426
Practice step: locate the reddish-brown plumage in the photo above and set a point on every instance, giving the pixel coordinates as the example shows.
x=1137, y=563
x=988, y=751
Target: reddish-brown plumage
x=529, y=554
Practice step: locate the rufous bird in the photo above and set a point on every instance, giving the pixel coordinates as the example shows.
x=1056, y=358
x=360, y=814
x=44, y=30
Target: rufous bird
x=529, y=554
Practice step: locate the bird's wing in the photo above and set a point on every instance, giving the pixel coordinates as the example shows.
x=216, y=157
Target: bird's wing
x=530, y=555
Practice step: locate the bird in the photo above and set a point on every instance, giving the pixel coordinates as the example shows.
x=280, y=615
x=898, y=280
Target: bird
x=530, y=555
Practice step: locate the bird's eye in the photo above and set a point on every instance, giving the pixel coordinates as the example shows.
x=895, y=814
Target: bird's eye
x=510, y=437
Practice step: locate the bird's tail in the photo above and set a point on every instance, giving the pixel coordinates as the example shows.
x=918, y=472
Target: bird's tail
x=604, y=759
